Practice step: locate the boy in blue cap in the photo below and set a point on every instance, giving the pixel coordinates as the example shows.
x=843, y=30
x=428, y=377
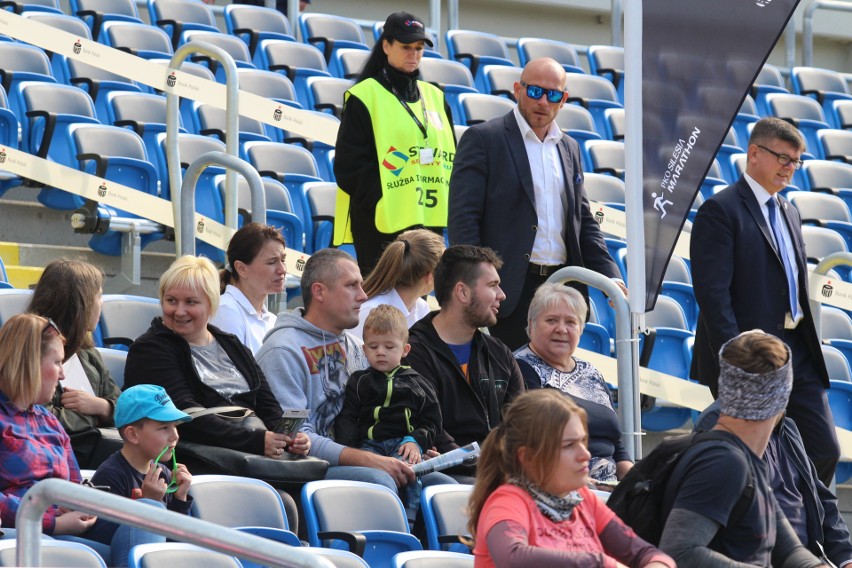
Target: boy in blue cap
x=147, y=421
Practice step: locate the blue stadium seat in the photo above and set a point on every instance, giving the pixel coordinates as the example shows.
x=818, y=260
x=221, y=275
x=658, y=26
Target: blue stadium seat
x=325, y=94
x=190, y=147
x=23, y=6
x=330, y=33
x=255, y=23
x=836, y=144
x=232, y=45
x=802, y=112
x=476, y=50
x=500, y=80
x=477, y=107
x=824, y=85
x=141, y=40
x=20, y=63
x=530, y=48
x=97, y=82
x=297, y=61
x=209, y=120
x=348, y=62
x=445, y=515
x=95, y=13
x=451, y=77
x=178, y=16
x=606, y=157
x=8, y=139
x=124, y=317
x=179, y=554
x=70, y=24
x=594, y=93
x=829, y=177
x=321, y=198
x=273, y=86
x=840, y=400
x=745, y=119
x=824, y=210
x=607, y=61
x=768, y=80
x=596, y=338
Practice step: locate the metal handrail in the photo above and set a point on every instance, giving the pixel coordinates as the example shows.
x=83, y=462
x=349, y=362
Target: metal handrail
x=105, y=505
x=626, y=355
x=808, y=25
x=232, y=131
x=233, y=166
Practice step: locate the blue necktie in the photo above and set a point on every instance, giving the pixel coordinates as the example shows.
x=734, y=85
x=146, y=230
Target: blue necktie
x=782, y=252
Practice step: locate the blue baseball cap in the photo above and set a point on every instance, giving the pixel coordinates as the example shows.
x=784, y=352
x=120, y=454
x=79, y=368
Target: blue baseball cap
x=147, y=401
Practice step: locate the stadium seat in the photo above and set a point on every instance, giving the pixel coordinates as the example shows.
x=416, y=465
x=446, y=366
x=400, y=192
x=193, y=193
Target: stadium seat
x=607, y=61
x=836, y=144
x=603, y=188
x=115, y=360
x=339, y=558
x=451, y=77
x=8, y=139
x=768, y=80
x=615, y=124
x=178, y=16
x=730, y=146
x=325, y=94
x=836, y=364
x=255, y=23
x=476, y=50
x=70, y=24
x=234, y=501
x=13, y=301
x=21, y=63
x=179, y=554
x=744, y=120
x=187, y=109
x=349, y=62
x=297, y=61
x=476, y=107
x=802, y=112
x=138, y=39
x=432, y=559
x=606, y=157
x=55, y=553
x=339, y=506
x=444, y=509
x=500, y=80
x=835, y=324
x=95, y=13
x=667, y=313
x=330, y=33
x=97, y=82
x=594, y=93
x=279, y=209
x=596, y=338
x=840, y=401
x=829, y=177
x=842, y=110
x=824, y=85
x=22, y=6
x=270, y=85
x=530, y=48
x=116, y=155
x=125, y=317
x=684, y=295
x=232, y=45
x=190, y=147
x=824, y=210
x=321, y=199
x=209, y=120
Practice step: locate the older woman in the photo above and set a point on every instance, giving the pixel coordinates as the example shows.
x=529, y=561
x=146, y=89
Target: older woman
x=255, y=269
x=555, y=323
x=530, y=505
x=201, y=366
x=395, y=147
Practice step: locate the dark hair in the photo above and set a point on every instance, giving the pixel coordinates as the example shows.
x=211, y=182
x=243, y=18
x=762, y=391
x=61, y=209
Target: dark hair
x=67, y=293
x=413, y=255
x=244, y=247
x=461, y=263
x=377, y=60
x=321, y=267
x=534, y=421
x=772, y=128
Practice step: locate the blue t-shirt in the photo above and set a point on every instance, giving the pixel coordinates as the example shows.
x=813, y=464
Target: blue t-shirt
x=462, y=353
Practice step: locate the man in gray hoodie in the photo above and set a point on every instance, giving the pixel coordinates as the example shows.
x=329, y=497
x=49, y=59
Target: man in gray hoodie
x=308, y=357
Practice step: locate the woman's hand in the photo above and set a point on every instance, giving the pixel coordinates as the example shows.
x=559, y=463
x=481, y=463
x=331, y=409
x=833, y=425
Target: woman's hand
x=300, y=445
x=153, y=486
x=184, y=481
x=85, y=403
x=73, y=523
x=410, y=452
x=274, y=444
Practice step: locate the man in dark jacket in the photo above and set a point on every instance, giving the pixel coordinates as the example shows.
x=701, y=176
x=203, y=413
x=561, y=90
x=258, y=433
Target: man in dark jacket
x=474, y=375
x=809, y=505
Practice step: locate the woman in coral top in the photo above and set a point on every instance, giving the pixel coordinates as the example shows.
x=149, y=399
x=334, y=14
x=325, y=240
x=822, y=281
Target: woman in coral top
x=531, y=505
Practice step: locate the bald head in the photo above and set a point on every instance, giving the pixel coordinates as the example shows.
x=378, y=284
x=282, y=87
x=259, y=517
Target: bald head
x=544, y=66
x=542, y=79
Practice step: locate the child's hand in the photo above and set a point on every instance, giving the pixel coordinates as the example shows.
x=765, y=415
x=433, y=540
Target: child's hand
x=410, y=452
x=153, y=486
x=299, y=445
x=184, y=481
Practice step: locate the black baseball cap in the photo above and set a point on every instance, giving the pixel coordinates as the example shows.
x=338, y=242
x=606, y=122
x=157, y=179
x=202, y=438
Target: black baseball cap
x=406, y=28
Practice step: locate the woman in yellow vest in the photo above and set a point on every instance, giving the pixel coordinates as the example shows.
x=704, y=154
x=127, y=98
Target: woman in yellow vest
x=395, y=147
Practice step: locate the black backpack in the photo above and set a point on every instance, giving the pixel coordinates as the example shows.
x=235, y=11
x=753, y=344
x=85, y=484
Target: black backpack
x=639, y=497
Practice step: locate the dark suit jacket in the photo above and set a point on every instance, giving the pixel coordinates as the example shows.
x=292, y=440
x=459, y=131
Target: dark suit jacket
x=492, y=204
x=739, y=280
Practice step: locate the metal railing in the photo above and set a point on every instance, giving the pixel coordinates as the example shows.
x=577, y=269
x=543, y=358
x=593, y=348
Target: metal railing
x=808, y=25
x=129, y=512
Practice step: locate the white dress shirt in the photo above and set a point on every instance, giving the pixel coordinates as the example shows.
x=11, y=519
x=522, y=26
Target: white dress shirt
x=236, y=315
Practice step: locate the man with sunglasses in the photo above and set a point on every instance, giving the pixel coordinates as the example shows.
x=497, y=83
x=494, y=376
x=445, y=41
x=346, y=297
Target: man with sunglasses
x=517, y=188
x=749, y=271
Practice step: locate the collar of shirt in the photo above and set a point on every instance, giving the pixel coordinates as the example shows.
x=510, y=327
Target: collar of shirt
x=243, y=301
x=760, y=194
x=554, y=134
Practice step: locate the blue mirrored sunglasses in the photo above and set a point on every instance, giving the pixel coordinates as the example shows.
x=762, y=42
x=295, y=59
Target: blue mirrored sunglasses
x=535, y=92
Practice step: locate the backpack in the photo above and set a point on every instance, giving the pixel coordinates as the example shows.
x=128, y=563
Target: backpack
x=639, y=498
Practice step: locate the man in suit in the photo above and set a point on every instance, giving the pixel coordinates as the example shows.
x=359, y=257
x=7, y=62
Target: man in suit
x=517, y=188
x=749, y=271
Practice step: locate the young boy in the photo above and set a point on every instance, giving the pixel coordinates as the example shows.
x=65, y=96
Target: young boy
x=389, y=409
x=147, y=421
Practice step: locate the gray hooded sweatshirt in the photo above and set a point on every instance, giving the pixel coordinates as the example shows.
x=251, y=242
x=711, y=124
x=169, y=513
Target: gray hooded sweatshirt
x=307, y=368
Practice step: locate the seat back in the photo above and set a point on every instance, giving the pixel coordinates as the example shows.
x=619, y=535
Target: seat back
x=177, y=16
x=23, y=6
x=603, y=188
x=336, y=505
x=677, y=271
x=816, y=81
x=432, y=559
x=616, y=123
x=233, y=46
x=321, y=199
x=795, y=107
x=589, y=87
x=836, y=364
x=350, y=62
x=179, y=554
x=115, y=361
x=443, y=72
x=13, y=301
x=253, y=23
x=318, y=28
x=836, y=144
x=190, y=147
x=481, y=108
x=500, y=80
x=606, y=156
x=340, y=558
x=445, y=513
x=574, y=117
x=212, y=121
x=666, y=313
x=607, y=61
x=107, y=141
x=234, y=501
x=828, y=175
x=460, y=42
x=288, y=55
x=125, y=317
x=835, y=324
x=267, y=84
x=819, y=206
x=55, y=553
x=530, y=48
x=281, y=159
x=326, y=93
x=138, y=39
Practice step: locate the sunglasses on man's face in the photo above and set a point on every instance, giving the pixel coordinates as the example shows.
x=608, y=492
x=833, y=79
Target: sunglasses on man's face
x=535, y=92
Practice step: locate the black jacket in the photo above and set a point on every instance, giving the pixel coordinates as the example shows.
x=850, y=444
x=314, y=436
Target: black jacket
x=366, y=405
x=162, y=357
x=469, y=409
x=826, y=526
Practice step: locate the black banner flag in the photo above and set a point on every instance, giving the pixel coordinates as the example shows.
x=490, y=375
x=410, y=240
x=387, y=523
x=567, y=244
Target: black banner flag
x=699, y=60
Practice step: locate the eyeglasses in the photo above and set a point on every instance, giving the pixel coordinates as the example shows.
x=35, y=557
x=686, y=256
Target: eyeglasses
x=535, y=92
x=173, y=482
x=783, y=159
x=50, y=325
